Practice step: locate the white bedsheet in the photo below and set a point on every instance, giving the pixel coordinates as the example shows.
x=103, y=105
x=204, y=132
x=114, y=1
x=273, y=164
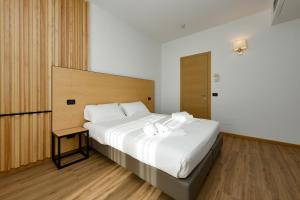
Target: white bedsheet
x=177, y=154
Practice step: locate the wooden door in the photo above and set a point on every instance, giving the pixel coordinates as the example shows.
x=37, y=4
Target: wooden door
x=195, y=85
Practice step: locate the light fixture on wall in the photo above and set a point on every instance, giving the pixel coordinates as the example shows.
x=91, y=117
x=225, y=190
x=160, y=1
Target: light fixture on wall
x=240, y=46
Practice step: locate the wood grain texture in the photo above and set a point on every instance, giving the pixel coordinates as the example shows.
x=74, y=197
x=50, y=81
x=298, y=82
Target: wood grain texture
x=65, y=132
x=28, y=49
x=91, y=88
x=24, y=139
x=246, y=170
x=26, y=55
x=195, y=85
x=250, y=169
x=261, y=140
x=71, y=34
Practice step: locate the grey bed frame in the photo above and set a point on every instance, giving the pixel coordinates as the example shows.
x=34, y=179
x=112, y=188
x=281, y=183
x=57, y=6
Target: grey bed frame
x=180, y=189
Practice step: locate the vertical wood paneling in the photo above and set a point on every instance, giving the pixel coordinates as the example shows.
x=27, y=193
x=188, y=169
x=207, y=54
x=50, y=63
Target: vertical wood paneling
x=28, y=139
x=85, y=39
x=26, y=48
x=34, y=36
x=71, y=38
x=2, y=19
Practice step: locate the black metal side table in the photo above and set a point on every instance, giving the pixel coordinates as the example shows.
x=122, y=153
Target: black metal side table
x=67, y=133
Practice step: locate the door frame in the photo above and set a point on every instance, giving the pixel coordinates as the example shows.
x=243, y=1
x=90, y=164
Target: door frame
x=208, y=78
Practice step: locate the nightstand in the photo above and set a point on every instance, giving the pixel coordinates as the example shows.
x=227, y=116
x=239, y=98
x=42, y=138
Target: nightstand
x=67, y=133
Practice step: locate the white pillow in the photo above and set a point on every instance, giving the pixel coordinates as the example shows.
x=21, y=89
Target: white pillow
x=103, y=112
x=134, y=108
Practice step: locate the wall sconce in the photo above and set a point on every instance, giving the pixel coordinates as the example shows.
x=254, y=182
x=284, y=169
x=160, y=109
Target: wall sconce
x=240, y=46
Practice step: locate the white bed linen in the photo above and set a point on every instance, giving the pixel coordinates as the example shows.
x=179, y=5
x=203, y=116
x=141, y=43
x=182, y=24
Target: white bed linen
x=176, y=154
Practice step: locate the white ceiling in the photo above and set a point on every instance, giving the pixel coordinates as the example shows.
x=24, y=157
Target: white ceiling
x=162, y=19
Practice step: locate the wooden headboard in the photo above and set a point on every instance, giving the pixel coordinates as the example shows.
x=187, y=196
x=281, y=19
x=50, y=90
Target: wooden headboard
x=92, y=88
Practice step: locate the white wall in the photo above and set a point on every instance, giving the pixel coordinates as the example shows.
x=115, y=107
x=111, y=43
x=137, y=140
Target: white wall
x=117, y=48
x=259, y=91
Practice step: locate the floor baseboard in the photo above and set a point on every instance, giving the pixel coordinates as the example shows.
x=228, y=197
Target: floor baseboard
x=261, y=140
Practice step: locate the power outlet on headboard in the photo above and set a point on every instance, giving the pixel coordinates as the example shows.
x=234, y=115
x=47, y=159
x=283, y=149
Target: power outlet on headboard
x=81, y=88
x=71, y=101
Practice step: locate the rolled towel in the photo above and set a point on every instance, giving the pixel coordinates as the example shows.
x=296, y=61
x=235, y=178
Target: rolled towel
x=162, y=129
x=150, y=129
x=182, y=116
x=175, y=124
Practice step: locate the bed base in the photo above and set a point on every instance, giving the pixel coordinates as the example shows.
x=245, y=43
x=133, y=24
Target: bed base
x=180, y=189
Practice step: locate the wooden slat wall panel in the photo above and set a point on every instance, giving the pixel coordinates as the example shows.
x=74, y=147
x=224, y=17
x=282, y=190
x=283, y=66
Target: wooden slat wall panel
x=34, y=36
x=26, y=55
x=71, y=34
x=24, y=139
x=26, y=48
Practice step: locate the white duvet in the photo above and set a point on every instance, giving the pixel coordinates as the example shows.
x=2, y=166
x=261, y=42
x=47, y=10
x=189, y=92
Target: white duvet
x=177, y=154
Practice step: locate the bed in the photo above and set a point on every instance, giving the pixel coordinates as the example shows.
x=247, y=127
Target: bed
x=181, y=181
x=177, y=164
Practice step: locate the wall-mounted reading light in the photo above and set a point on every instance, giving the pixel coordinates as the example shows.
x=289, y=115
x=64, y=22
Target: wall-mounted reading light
x=240, y=46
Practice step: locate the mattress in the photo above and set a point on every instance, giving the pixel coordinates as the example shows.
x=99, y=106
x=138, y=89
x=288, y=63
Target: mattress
x=177, y=154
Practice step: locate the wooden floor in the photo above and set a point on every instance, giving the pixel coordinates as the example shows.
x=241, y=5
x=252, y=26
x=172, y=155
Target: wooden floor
x=245, y=170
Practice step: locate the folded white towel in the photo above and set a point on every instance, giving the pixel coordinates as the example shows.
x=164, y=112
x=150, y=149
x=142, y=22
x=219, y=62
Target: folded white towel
x=182, y=116
x=177, y=120
x=156, y=129
x=169, y=126
x=165, y=131
x=150, y=129
x=162, y=129
x=174, y=124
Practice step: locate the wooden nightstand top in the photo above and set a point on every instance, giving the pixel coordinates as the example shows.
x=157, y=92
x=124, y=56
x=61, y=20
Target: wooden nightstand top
x=70, y=131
